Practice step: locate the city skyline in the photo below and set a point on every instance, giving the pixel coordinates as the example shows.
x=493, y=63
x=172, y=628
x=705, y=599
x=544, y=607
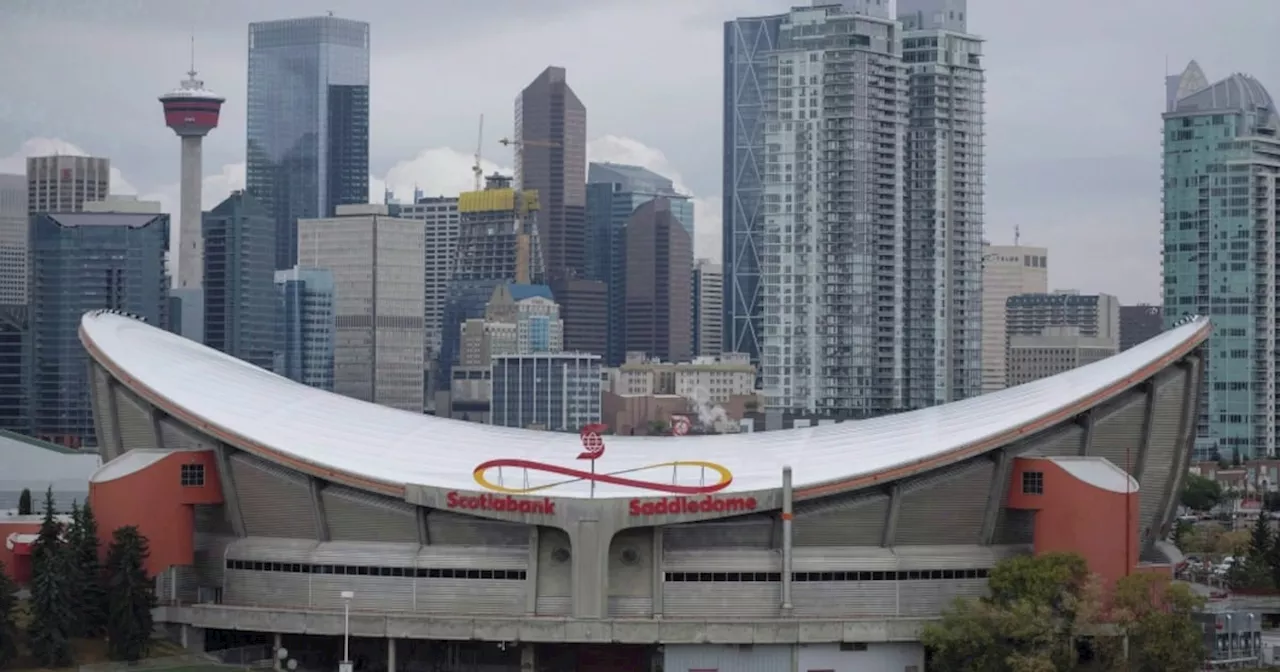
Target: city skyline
x=1036, y=172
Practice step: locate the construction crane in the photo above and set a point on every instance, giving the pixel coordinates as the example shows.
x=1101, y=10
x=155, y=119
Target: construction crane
x=525, y=262
x=476, y=170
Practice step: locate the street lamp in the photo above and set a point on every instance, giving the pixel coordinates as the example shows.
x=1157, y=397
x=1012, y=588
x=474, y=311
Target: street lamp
x=345, y=665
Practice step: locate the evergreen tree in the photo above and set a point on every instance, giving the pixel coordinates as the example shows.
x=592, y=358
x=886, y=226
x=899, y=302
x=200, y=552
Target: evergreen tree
x=52, y=613
x=74, y=531
x=1260, y=542
x=8, y=626
x=92, y=600
x=24, y=503
x=130, y=596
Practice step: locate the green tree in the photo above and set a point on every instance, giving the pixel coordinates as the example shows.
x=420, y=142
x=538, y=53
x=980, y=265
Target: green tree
x=1200, y=493
x=52, y=614
x=86, y=554
x=1253, y=570
x=8, y=624
x=1028, y=622
x=24, y=503
x=1155, y=614
x=130, y=596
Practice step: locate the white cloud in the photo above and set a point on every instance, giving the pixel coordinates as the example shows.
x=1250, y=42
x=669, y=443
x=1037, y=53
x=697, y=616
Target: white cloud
x=706, y=209
x=441, y=171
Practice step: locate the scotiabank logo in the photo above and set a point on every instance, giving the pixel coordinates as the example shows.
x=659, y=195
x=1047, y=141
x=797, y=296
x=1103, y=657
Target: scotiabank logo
x=508, y=504
x=682, y=505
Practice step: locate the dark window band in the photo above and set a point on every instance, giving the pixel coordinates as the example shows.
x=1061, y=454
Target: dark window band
x=366, y=570
x=909, y=575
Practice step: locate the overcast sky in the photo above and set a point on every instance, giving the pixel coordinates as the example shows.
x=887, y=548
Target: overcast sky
x=1074, y=96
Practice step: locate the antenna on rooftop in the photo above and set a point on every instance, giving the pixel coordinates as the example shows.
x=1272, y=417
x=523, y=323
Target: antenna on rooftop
x=1017, y=234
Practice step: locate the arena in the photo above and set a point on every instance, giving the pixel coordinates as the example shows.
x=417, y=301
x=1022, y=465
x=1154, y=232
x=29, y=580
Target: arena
x=271, y=507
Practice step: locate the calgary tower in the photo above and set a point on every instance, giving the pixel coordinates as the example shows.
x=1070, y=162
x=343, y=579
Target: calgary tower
x=191, y=111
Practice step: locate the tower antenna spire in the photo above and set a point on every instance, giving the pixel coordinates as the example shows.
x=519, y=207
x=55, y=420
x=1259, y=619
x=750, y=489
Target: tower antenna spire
x=1017, y=234
x=192, y=71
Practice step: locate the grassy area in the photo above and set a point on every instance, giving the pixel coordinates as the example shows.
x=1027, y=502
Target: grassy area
x=90, y=651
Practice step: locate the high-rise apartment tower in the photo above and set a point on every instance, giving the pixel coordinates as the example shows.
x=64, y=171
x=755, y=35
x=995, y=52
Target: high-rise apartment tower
x=1007, y=270
x=1221, y=196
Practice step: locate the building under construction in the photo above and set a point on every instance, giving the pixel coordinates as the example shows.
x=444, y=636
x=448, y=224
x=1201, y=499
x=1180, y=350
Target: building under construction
x=497, y=244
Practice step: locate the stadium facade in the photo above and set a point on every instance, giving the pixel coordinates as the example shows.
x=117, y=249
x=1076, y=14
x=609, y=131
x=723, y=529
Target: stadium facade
x=823, y=547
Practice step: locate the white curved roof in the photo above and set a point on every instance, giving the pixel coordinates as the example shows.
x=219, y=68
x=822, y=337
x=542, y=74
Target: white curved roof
x=1099, y=472
x=358, y=441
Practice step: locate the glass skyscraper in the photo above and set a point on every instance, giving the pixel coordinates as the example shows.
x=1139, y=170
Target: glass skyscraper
x=307, y=122
x=239, y=280
x=1221, y=195
x=81, y=262
x=306, y=327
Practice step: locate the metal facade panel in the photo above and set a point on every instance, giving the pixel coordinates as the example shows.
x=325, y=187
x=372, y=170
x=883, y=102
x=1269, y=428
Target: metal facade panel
x=176, y=436
x=630, y=607
x=104, y=421
x=1117, y=435
x=555, y=573
x=366, y=554
x=210, y=559
x=844, y=599
x=841, y=521
x=473, y=557
x=267, y=589
x=722, y=561
x=1163, y=451
x=946, y=507
x=361, y=516
x=714, y=599
x=1060, y=441
x=471, y=596
x=373, y=593
x=754, y=531
x=134, y=420
x=451, y=529
x=212, y=519
x=726, y=658
x=273, y=501
x=630, y=571
x=928, y=598
x=1015, y=526
x=877, y=657
x=269, y=549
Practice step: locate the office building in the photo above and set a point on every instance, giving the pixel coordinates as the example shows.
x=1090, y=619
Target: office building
x=440, y=226
x=306, y=326
x=13, y=239
x=462, y=534
x=614, y=191
x=658, y=303
x=239, y=280
x=943, y=202
x=64, y=183
x=1096, y=315
x=1221, y=166
x=814, y=240
x=1007, y=270
x=1053, y=351
x=81, y=262
x=1139, y=323
x=708, y=308
x=122, y=203
x=307, y=132
x=551, y=159
x=557, y=392
x=15, y=368
x=376, y=262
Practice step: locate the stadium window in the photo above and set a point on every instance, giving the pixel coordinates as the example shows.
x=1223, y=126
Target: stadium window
x=192, y=475
x=1033, y=482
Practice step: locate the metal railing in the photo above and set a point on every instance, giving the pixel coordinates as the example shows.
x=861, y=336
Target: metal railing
x=245, y=657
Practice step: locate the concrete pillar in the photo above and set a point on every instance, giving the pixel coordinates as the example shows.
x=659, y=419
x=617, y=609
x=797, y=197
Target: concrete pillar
x=391, y=654
x=527, y=657
x=192, y=638
x=277, y=643
x=787, y=515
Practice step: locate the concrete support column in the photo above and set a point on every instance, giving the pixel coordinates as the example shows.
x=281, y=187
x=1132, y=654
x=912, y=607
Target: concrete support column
x=659, y=574
x=590, y=562
x=531, y=576
x=276, y=644
x=391, y=654
x=787, y=515
x=192, y=638
x=527, y=657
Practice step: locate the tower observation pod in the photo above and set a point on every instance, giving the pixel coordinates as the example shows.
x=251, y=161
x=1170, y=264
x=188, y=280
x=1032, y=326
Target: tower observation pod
x=191, y=111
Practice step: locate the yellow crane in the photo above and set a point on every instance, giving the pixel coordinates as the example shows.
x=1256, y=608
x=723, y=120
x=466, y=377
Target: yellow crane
x=524, y=261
